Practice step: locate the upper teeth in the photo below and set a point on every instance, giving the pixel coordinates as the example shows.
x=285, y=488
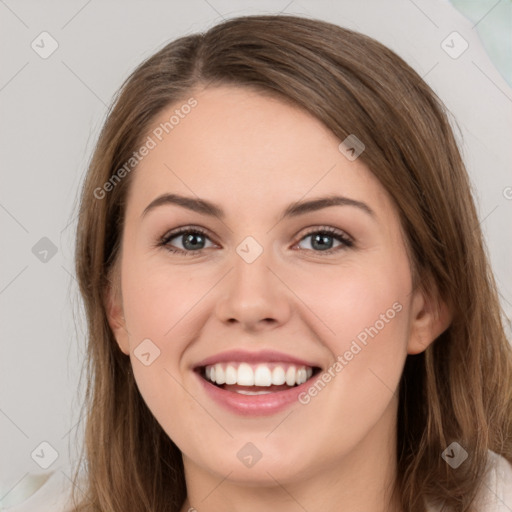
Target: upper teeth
x=263, y=374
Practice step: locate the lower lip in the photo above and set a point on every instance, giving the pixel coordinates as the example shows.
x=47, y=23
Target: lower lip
x=253, y=405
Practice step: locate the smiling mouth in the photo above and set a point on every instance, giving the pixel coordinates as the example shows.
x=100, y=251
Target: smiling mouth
x=256, y=379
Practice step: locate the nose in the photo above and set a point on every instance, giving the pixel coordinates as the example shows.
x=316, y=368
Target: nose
x=253, y=296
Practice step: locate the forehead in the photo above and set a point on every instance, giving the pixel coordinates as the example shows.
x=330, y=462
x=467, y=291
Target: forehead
x=238, y=147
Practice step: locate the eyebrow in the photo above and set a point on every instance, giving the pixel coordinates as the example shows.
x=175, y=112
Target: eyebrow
x=205, y=207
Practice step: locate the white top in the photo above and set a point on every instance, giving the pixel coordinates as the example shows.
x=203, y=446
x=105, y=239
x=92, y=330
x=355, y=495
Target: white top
x=50, y=492
x=39, y=492
x=496, y=492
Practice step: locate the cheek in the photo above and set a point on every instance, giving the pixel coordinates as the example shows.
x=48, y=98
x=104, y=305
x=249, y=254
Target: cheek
x=363, y=317
x=357, y=298
x=158, y=297
x=367, y=311
x=159, y=306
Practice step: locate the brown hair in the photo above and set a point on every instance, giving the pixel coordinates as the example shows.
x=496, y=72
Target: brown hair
x=458, y=389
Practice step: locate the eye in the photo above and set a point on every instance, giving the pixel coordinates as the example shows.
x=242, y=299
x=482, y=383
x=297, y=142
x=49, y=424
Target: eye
x=192, y=240
x=322, y=240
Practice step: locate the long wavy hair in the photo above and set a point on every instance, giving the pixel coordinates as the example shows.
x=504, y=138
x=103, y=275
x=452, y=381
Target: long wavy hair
x=458, y=389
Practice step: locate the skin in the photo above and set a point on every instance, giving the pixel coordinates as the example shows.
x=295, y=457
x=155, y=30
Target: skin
x=254, y=156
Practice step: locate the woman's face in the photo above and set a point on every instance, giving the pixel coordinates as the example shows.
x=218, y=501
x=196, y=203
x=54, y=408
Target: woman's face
x=324, y=287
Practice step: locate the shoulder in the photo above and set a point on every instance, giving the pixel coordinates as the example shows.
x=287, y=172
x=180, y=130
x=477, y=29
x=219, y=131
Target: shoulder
x=41, y=492
x=495, y=495
x=496, y=492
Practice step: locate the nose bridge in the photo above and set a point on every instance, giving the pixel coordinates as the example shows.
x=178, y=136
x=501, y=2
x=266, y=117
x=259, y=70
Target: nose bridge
x=252, y=278
x=252, y=292
x=251, y=266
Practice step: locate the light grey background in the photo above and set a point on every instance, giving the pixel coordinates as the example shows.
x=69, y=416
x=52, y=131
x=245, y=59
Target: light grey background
x=51, y=111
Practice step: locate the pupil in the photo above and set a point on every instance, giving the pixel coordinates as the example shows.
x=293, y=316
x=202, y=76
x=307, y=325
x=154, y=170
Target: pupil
x=191, y=239
x=322, y=239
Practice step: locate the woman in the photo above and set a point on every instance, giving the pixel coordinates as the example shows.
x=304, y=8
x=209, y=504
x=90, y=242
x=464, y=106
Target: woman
x=288, y=297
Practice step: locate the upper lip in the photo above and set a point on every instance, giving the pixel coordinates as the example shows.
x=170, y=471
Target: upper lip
x=262, y=356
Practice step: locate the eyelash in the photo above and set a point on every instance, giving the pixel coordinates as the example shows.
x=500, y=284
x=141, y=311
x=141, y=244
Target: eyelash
x=335, y=233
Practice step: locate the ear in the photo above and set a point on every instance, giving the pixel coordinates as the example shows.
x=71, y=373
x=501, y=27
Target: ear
x=430, y=317
x=115, y=315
